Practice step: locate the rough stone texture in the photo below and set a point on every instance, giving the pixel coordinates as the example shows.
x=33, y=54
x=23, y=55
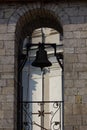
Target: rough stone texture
x=73, y=17
x=76, y=76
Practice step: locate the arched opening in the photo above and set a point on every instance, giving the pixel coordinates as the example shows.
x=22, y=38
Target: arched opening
x=30, y=92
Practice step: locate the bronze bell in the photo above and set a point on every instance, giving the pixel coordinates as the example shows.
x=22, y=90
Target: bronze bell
x=41, y=58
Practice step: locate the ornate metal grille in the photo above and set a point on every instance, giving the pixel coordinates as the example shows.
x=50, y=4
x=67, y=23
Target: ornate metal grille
x=46, y=115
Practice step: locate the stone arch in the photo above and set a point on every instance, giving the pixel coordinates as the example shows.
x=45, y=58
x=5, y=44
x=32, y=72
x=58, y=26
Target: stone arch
x=32, y=15
x=27, y=18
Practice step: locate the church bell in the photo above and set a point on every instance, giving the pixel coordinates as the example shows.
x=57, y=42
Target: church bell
x=41, y=58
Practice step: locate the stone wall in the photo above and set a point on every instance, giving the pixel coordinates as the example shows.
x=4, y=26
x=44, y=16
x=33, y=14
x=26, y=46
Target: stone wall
x=75, y=60
x=73, y=18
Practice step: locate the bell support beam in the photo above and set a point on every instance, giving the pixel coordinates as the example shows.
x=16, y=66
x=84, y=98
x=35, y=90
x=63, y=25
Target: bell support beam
x=59, y=56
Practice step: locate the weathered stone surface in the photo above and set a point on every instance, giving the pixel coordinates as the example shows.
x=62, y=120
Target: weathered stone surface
x=77, y=19
x=68, y=83
x=68, y=109
x=8, y=68
x=69, y=50
x=74, y=43
x=1, y=114
x=77, y=109
x=82, y=75
x=68, y=67
x=2, y=52
x=8, y=90
x=9, y=44
x=2, y=83
x=69, y=99
x=82, y=58
x=72, y=120
x=83, y=127
x=6, y=60
x=80, y=83
x=84, y=98
x=71, y=75
x=70, y=58
x=68, y=128
x=75, y=59
x=3, y=29
x=80, y=67
x=7, y=76
x=10, y=82
x=1, y=44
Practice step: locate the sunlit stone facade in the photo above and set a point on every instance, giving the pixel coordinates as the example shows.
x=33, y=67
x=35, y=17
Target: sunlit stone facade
x=18, y=21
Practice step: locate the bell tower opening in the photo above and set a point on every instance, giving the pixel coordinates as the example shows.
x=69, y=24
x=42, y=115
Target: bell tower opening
x=40, y=92
x=42, y=86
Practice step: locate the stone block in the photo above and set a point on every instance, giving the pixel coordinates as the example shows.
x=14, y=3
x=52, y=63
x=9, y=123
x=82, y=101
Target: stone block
x=7, y=106
x=3, y=29
x=1, y=44
x=10, y=82
x=8, y=68
x=80, y=67
x=8, y=90
x=2, y=83
x=76, y=34
x=68, y=67
x=77, y=19
x=7, y=76
x=84, y=110
x=9, y=36
x=6, y=60
x=73, y=11
x=68, y=83
x=69, y=99
x=69, y=50
x=2, y=98
x=8, y=12
x=10, y=98
x=84, y=119
x=1, y=13
x=70, y=58
x=83, y=75
x=83, y=127
x=78, y=99
x=83, y=11
x=68, y=35
x=68, y=109
x=81, y=50
x=11, y=28
x=71, y=91
x=68, y=127
x=84, y=98
x=7, y=123
x=9, y=114
x=9, y=44
x=83, y=34
x=72, y=120
x=9, y=52
x=75, y=127
x=77, y=108
x=82, y=58
x=71, y=75
x=3, y=21
x=80, y=83
x=1, y=114
x=74, y=43
x=64, y=18
x=2, y=52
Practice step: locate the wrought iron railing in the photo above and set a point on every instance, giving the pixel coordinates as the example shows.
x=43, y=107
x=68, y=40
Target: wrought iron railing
x=46, y=115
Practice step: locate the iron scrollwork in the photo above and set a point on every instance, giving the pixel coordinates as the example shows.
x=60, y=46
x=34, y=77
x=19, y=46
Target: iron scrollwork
x=55, y=124
x=54, y=114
